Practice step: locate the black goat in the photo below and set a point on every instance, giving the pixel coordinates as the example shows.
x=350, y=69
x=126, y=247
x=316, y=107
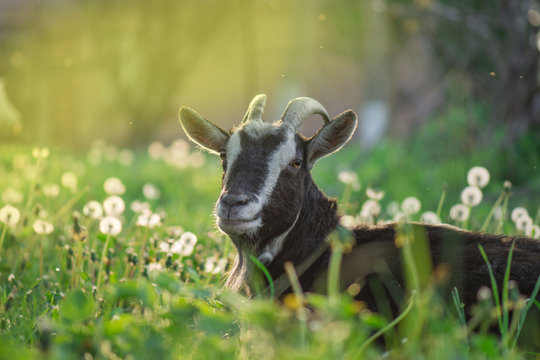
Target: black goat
x=271, y=209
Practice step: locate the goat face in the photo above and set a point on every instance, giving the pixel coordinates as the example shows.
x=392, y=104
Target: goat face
x=266, y=166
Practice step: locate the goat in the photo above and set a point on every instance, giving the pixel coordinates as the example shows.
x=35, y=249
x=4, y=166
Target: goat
x=271, y=209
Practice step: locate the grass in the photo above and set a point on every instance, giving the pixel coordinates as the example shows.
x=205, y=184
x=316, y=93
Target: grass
x=76, y=292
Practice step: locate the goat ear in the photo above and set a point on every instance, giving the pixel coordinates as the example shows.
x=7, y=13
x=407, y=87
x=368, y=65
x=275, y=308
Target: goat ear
x=331, y=137
x=201, y=131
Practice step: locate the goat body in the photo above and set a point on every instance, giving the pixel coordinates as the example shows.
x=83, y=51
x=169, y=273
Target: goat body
x=271, y=209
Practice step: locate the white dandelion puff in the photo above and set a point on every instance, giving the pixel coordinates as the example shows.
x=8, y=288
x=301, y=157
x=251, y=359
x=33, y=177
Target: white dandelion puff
x=12, y=196
x=51, y=190
x=9, y=215
x=411, y=205
x=374, y=194
x=110, y=225
x=138, y=206
x=371, y=207
x=459, y=212
x=155, y=150
x=126, y=157
x=151, y=191
x=348, y=177
x=478, y=176
x=114, y=205
x=42, y=153
x=69, y=180
x=347, y=221
x=429, y=217
x=114, y=186
x=154, y=267
x=471, y=196
x=148, y=219
x=42, y=227
x=215, y=266
x=523, y=223
x=93, y=209
x=392, y=208
x=518, y=213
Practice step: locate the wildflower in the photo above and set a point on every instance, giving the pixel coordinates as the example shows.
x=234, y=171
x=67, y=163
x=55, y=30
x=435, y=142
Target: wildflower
x=110, y=225
x=11, y=278
x=471, y=196
x=77, y=231
x=151, y=191
x=12, y=196
x=347, y=221
x=371, y=207
x=349, y=178
x=42, y=227
x=42, y=153
x=411, y=205
x=374, y=194
x=364, y=217
x=175, y=231
x=114, y=205
x=154, y=267
x=429, y=217
x=523, y=223
x=478, y=176
x=51, y=190
x=69, y=180
x=459, y=212
x=126, y=157
x=518, y=213
x=533, y=231
x=182, y=248
x=214, y=266
x=114, y=186
x=93, y=209
x=155, y=150
x=9, y=215
x=138, y=206
x=148, y=219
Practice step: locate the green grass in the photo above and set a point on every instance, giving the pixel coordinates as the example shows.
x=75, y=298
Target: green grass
x=65, y=295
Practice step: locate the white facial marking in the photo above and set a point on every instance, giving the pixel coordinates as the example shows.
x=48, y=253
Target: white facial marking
x=279, y=158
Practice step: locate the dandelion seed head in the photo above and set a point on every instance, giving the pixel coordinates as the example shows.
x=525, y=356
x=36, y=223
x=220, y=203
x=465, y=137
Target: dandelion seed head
x=151, y=191
x=523, y=223
x=110, y=225
x=348, y=177
x=371, y=207
x=69, y=180
x=114, y=186
x=429, y=217
x=189, y=238
x=392, y=208
x=148, y=219
x=10, y=215
x=126, y=157
x=40, y=153
x=471, y=196
x=155, y=150
x=93, y=209
x=51, y=190
x=12, y=196
x=459, y=212
x=518, y=213
x=114, y=205
x=138, y=206
x=411, y=205
x=374, y=194
x=42, y=227
x=347, y=221
x=478, y=176
x=154, y=267
x=484, y=293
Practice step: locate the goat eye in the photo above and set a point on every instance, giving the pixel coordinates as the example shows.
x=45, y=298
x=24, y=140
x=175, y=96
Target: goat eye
x=296, y=163
x=222, y=154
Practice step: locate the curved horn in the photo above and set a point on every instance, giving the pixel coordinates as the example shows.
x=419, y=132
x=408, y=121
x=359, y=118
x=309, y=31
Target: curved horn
x=255, y=109
x=301, y=108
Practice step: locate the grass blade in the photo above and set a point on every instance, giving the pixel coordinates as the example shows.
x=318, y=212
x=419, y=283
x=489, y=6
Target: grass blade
x=266, y=273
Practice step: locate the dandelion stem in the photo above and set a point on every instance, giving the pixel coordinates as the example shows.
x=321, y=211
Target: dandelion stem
x=2, y=237
x=333, y=272
x=492, y=211
x=441, y=202
x=103, y=256
x=503, y=216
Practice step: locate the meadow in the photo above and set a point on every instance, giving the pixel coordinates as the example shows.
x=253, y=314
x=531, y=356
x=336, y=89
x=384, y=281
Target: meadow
x=113, y=254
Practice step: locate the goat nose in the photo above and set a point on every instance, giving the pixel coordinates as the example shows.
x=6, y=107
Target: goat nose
x=234, y=199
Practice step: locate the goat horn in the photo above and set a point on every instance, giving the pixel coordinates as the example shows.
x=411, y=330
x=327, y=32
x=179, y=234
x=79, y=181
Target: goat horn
x=299, y=109
x=255, y=109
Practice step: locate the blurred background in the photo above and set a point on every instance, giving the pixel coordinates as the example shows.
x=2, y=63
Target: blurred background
x=449, y=81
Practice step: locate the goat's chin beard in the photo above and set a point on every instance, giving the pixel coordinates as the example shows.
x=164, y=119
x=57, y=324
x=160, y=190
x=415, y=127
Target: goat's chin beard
x=236, y=228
